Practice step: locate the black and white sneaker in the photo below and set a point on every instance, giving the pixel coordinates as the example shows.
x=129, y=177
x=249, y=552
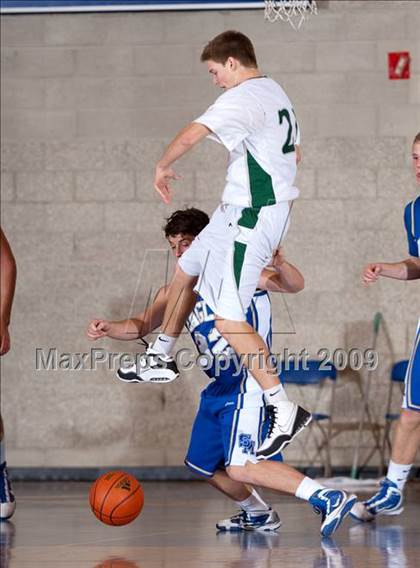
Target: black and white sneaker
x=150, y=367
x=253, y=521
x=286, y=420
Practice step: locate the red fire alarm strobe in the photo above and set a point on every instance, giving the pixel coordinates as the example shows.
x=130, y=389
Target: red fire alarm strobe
x=399, y=65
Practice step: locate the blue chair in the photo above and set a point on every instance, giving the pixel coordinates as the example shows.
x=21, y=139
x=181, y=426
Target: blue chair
x=305, y=375
x=397, y=375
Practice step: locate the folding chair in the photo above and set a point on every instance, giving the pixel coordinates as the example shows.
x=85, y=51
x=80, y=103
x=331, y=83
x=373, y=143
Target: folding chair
x=314, y=376
x=326, y=423
x=398, y=372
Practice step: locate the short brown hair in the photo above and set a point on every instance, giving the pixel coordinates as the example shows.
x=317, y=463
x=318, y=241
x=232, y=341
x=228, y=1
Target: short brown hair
x=230, y=44
x=189, y=221
x=416, y=139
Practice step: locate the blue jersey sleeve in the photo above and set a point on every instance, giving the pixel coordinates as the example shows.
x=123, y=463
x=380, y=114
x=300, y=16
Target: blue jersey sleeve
x=412, y=226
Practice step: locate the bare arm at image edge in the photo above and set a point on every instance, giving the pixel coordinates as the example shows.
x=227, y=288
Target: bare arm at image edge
x=7, y=291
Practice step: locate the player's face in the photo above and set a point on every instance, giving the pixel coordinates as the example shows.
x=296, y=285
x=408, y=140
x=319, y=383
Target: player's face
x=180, y=243
x=222, y=74
x=416, y=161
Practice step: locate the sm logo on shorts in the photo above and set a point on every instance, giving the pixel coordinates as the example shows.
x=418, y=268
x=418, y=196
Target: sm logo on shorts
x=246, y=443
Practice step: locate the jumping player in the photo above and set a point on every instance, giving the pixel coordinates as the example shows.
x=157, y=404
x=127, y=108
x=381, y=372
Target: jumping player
x=389, y=500
x=7, y=290
x=229, y=422
x=254, y=119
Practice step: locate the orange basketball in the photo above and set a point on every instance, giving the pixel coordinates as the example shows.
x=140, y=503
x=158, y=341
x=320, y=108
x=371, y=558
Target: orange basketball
x=116, y=498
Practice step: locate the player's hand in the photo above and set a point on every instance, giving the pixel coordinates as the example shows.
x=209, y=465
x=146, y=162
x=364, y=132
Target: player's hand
x=371, y=273
x=163, y=175
x=4, y=340
x=97, y=329
x=278, y=258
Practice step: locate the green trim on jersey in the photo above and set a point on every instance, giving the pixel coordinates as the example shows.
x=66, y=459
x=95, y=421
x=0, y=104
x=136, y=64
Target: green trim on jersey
x=260, y=184
x=238, y=260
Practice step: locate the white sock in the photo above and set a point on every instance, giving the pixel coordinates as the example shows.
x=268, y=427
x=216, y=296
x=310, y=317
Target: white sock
x=164, y=344
x=2, y=452
x=253, y=503
x=398, y=473
x=275, y=394
x=307, y=488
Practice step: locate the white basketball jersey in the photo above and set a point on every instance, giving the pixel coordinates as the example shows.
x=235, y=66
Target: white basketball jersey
x=256, y=122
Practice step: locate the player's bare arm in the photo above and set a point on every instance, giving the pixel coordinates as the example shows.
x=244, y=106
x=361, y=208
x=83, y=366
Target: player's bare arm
x=281, y=276
x=7, y=290
x=408, y=269
x=298, y=154
x=132, y=328
x=186, y=139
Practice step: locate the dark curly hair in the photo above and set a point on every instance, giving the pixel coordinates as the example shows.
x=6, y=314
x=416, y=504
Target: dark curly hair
x=190, y=221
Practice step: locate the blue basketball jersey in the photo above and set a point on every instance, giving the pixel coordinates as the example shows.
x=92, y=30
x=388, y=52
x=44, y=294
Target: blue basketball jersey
x=412, y=226
x=223, y=363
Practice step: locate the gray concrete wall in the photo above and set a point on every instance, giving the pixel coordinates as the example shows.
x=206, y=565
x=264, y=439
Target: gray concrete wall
x=89, y=102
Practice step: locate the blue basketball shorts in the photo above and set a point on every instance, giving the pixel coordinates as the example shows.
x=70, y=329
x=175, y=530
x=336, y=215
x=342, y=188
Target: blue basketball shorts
x=412, y=379
x=225, y=434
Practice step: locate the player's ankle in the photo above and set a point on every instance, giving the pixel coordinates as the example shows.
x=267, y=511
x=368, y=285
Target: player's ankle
x=398, y=473
x=307, y=488
x=253, y=503
x=164, y=344
x=275, y=395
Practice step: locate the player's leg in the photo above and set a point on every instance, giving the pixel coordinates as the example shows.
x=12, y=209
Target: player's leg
x=158, y=364
x=181, y=300
x=233, y=489
x=7, y=499
x=389, y=499
x=333, y=505
x=250, y=504
x=205, y=456
x=257, y=234
x=241, y=426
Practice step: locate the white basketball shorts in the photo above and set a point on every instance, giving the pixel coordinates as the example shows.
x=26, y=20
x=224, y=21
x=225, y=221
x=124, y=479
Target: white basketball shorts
x=231, y=252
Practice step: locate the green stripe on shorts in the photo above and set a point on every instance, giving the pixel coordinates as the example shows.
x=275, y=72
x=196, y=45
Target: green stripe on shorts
x=238, y=260
x=260, y=184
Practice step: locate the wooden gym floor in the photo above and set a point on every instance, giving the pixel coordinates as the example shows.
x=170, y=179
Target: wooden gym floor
x=54, y=528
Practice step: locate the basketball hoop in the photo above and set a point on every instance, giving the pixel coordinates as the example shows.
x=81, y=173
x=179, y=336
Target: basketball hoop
x=292, y=11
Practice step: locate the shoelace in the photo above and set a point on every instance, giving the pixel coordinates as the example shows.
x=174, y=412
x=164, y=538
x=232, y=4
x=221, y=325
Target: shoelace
x=240, y=515
x=144, y=342
x=272, y=411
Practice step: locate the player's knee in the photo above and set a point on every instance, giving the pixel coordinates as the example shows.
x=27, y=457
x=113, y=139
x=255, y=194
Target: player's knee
x=238, y=473
x=410, y=419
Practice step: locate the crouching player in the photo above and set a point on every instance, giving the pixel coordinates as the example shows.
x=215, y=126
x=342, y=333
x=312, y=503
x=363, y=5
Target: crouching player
x=230, y=423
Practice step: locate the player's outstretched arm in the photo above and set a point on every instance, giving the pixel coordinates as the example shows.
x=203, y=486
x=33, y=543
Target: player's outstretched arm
x=281, y=275
x=7, y=290
x=408, y=269
x=132, y=328
x=186, y=139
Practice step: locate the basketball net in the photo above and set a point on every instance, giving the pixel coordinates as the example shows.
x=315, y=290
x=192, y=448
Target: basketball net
x=292, y=11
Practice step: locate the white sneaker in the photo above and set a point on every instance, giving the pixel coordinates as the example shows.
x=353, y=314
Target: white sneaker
x=150, y=367
x=287, y=419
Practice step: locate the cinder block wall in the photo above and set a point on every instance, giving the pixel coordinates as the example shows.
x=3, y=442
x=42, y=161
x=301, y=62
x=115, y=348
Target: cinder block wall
x=88, y=103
